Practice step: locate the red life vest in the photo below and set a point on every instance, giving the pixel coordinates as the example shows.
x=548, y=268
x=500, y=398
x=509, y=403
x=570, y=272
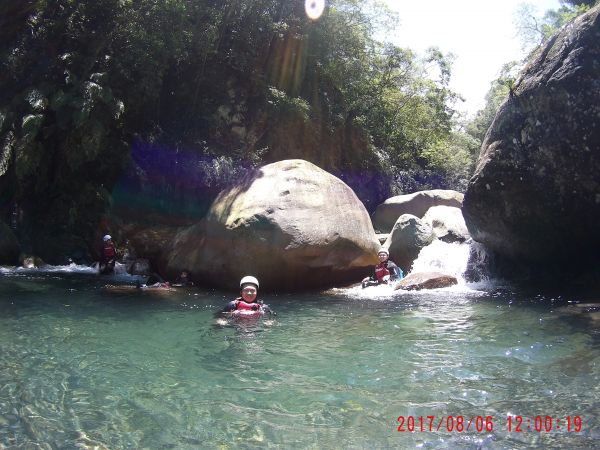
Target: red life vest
x=109, y=251
x=242, y=305
x=381, y=271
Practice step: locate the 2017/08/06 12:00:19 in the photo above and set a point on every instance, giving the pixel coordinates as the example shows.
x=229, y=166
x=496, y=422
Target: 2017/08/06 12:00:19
x=485, y=424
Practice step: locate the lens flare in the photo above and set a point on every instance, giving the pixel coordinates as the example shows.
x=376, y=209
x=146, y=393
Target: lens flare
x=314, y=8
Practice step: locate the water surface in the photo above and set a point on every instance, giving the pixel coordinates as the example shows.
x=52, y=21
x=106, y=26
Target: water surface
x=82, y=368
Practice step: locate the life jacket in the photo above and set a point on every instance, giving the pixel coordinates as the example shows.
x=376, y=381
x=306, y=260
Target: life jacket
x=381, y=271
x=108, y=251
x=242, y=305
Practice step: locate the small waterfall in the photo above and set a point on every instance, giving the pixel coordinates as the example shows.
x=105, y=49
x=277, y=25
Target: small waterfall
x=439, y=256
x=120, y=274
x=467, y=261
x=69, y=268
x=479, y=263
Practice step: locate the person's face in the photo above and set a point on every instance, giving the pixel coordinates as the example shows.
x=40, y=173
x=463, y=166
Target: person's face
x=382, y=257
x=249, y=293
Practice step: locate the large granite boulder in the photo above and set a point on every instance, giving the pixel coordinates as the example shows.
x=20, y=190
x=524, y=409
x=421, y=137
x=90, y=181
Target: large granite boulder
x=425, y=280
x=9, y=246
x=535, y=195
x=408, y=237
x=447, y=223
x=290, y=223
x=415, y=204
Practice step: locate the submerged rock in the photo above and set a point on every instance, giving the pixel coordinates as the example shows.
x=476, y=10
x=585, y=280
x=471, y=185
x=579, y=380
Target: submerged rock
x=426, y=280
x=415, y=204
x=290, y=223
x=535, y=195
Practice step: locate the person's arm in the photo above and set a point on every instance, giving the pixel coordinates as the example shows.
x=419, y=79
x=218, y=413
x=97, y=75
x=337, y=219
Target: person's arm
x=231, y=306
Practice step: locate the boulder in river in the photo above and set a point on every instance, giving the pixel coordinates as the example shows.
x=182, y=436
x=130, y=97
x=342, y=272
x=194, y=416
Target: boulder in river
x=408, y=237
x=415, y=204
x=447, y=223
x=535, y=194
x=290, y=224
x=425, y=280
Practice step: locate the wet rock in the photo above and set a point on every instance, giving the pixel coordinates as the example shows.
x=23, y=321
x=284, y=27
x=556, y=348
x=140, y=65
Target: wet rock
x=290, y=223
x=147, y=242
x=426, y=280
x=31, y=261
x=415, y=204
x=9, y=246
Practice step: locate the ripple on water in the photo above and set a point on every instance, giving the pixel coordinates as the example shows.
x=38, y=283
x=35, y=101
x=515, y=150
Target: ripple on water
x=333, y=371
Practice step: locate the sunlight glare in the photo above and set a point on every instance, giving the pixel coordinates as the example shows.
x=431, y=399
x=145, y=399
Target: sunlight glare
x=314, y=8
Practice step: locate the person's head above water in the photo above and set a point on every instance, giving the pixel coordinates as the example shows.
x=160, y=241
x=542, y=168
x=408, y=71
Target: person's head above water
x=249, y=288
x=383, y=254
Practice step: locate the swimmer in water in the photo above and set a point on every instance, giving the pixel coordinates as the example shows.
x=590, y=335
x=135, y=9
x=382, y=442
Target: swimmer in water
x=247, y=304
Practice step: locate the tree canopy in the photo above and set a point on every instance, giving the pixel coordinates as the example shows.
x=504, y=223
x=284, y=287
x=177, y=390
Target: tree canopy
x=164, y=102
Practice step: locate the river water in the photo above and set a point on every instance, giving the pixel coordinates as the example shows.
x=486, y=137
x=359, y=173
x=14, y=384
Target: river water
x=84, y=368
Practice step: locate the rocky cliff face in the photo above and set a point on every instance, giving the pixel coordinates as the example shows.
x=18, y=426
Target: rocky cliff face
x=535, y=195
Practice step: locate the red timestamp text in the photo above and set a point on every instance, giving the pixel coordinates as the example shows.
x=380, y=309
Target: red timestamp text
x=543, y=424
x=450, y=424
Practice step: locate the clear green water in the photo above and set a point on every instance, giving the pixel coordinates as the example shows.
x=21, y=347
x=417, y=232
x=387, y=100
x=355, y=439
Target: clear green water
x=80, y=368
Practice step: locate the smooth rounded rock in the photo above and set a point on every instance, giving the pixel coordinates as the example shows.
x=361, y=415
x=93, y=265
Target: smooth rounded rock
x=416, y=204
x=290, y=224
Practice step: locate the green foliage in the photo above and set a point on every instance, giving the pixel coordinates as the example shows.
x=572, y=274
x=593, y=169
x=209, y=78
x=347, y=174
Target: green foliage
x=283, y=104
x=81, y=82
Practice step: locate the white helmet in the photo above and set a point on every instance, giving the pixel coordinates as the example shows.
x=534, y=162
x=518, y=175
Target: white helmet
x=106, y=238
x=249, y=280
x=383, y=250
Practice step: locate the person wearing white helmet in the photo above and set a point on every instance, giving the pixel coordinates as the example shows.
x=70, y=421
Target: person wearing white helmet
x=385, y=272
x=247, y=303
x=108, y=255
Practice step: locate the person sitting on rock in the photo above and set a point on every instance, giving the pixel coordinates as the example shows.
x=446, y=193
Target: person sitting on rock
x=108, y=256
x=385, y=272
x=247, y=302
